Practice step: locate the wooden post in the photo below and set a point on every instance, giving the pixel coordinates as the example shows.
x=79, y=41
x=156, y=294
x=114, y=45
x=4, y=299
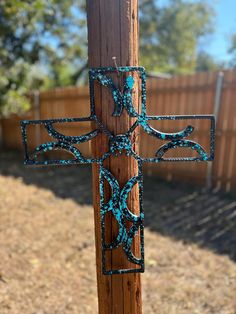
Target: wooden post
x=113, y=32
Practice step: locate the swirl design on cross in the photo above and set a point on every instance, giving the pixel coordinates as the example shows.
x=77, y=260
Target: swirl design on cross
x=117, y=204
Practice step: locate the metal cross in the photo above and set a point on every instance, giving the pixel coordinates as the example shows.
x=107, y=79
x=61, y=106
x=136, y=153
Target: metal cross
x=117, y=203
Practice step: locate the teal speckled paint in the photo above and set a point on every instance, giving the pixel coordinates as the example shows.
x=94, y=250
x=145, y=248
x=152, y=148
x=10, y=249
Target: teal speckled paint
x=118, y=144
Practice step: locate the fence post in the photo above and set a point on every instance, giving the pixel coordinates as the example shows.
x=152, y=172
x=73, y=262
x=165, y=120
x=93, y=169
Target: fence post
x=36, y=100
x=217, y=103
x=113, y=32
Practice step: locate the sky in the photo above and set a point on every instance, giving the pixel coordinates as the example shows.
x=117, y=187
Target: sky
x=225, y=25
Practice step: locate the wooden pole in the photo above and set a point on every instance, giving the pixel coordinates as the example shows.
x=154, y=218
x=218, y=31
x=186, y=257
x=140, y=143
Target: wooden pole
x=113, y=32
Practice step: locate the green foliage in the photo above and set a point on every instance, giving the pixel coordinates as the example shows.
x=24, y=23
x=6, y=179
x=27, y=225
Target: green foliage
x=232, y=51
x=38, y=39
x=170, y=34
x=205, y=63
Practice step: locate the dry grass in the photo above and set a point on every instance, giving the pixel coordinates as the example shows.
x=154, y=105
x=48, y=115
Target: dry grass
x=47, y=255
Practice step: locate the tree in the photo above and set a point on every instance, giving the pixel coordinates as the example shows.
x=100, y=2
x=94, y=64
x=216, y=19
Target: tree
x=232, y=51
x=170, y=34
x=206, y=63
x=49, y=36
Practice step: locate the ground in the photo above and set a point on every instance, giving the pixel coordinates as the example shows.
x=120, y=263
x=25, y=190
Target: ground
x=47, y=263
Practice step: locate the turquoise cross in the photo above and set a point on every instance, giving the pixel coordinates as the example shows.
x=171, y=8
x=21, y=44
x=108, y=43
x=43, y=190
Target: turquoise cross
x=117, y=204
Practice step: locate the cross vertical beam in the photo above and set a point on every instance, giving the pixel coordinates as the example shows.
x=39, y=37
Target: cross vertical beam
x=113, y=32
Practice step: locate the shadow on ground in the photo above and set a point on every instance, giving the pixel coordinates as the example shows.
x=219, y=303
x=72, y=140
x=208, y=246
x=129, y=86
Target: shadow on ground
x=181, y=211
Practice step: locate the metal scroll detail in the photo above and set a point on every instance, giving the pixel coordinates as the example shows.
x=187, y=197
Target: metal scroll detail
x=117, y=204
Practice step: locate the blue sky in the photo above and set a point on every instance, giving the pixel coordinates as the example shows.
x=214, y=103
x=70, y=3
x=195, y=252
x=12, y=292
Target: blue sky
x=225, y=25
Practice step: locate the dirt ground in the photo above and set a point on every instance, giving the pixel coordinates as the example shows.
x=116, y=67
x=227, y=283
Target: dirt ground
x=47, y=263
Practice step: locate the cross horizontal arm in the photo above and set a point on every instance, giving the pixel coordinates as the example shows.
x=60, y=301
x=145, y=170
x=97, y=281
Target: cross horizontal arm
x=66, y=143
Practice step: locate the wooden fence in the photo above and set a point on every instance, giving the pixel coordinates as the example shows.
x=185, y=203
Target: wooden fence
x=189, y=94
